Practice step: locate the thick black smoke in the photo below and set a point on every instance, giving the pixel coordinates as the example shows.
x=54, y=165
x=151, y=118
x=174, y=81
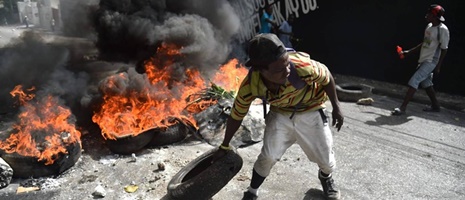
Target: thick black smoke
x=122, y=33
x=76, y=18
x=131, y=30
x=32, y=62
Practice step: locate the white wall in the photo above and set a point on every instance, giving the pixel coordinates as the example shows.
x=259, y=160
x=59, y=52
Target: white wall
x=45, y=14
x=29, y=9
x=39, y=13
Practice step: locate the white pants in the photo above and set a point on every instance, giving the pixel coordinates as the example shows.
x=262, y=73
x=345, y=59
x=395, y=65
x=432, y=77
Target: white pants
x=307, y=129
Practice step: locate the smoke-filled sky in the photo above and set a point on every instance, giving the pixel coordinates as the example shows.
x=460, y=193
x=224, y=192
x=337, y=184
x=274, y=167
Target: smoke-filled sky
x=125, y=32
x=131, y=29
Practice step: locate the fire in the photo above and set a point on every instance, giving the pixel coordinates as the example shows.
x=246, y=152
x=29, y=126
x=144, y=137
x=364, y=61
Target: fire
x=132, y=110
x=197, y=107
x=230, y=75
x=43, y=129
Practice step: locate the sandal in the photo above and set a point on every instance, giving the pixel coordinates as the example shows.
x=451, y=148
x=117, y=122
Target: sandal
x=432, y=109
x=397, y=112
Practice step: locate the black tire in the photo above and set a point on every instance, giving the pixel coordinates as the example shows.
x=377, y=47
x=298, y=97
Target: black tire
x=6, y=174
x=27, y=167
x=352, y=92
x=130, y=144
x=172, y=134
x=200, y=179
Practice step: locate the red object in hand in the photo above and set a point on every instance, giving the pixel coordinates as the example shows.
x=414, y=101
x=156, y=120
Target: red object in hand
x=399, y=51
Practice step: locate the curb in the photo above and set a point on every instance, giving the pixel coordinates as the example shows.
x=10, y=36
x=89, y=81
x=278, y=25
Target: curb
x=449, y=101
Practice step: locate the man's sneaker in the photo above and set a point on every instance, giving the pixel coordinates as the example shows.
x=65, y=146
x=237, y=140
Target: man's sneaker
x=249, y=196
x=329, y=188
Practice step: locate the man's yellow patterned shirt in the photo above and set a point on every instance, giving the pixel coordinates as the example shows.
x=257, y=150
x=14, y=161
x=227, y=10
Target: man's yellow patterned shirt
x=288, y=99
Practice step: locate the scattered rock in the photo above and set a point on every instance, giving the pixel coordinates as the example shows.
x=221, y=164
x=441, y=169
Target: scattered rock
x=133, y=158
x=99, y=192
x=365, y=101
x=212, y=124
x=161, y=166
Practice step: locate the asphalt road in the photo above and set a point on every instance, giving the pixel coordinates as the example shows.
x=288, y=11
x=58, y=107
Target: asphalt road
x=416, y=156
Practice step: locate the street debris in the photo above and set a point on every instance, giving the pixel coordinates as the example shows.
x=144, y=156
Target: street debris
x=133, y=158
x=99, y=192
x=161, y=167
x=212, y=124
x=365, y=101
x=26, y=189
x=131, y=188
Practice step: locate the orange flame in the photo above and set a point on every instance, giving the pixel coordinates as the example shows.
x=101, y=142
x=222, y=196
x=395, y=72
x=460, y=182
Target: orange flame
x=230, y=75
x=131, y=112
x=200, y=106
x=23, y=97
x=43, y=128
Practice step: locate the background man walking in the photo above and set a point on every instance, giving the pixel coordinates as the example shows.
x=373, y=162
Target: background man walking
x=433, y=49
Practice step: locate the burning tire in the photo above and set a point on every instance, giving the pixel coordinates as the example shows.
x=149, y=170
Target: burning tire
x=172, y=134
x=200, y=179
x=6, y=173
x=352, y=92
x=129, y=144
x=27, y=167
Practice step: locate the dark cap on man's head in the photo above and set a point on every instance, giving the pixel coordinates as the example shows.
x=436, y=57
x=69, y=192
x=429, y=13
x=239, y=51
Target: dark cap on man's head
x=264, y=49
x=438, y=11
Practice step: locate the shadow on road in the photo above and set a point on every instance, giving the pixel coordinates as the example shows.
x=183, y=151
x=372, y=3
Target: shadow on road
x=313, y=194
x=388, y=120
x=414, y=109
